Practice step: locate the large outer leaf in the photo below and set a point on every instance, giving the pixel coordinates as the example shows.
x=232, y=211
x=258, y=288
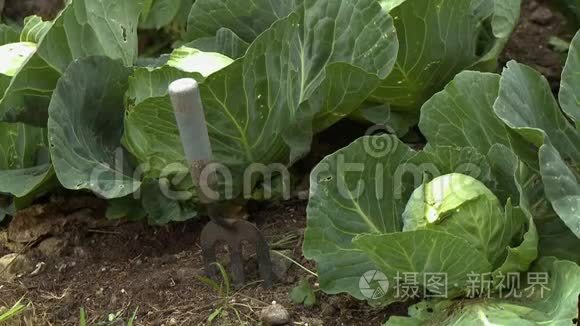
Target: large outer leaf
x=245, y=19
x=503, y=22
x=504, y=165
x=85, y=127
x=527, y=105
x=462, y=114
x=337, y=213
x=441, y=160
x=562, y=187
x=438, y=40
x=558, y=306
x=83, y=28
x=151, y=135
x=424, y=252
x=556, y=239
x=570, y=87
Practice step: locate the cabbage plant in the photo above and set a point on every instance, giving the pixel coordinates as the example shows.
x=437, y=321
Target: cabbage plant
x=495, y=191
x=424, y=212
x=439, y=39
x=519, y=111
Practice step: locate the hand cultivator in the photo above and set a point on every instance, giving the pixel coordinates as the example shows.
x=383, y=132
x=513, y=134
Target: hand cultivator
x=195, y=140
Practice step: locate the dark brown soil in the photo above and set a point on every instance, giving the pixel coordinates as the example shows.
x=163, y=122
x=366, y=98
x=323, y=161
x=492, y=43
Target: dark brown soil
x=155, y=270
x=530, y=42
x=17, y=10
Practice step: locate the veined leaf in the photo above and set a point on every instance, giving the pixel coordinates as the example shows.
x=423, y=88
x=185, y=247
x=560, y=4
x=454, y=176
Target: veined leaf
x=527, y=106
x=160, y=13
x=342, y=205
x=196, y=61
x=439, y=39
x=245, y=19
x=435, y=161
x=554, y=302
x=504, y=18
x=148, y=82
x=83, y=28
x=562, y=186
x=151, y=135
x=426, y=61
x=522, y=253
x=225, y=42
x=570, y=87
x=462, y=114
x=85, y=127
x=504, y=166
x=557, y=240
x=424, y=252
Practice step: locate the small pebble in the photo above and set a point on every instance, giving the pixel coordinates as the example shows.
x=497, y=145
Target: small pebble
x=275, y=314
x=541, y=16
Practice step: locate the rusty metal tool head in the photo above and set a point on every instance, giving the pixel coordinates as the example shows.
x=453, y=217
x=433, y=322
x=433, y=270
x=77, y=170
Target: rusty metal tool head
x=194, y=137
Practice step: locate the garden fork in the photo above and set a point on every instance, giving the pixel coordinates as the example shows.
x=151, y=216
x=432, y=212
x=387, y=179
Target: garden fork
x=194, y=136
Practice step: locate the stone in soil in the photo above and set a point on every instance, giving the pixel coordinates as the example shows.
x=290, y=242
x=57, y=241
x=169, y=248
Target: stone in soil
x=13, y=266
x=541, y=16
x=281, y=264
x=275, y=314
x=53, y=247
